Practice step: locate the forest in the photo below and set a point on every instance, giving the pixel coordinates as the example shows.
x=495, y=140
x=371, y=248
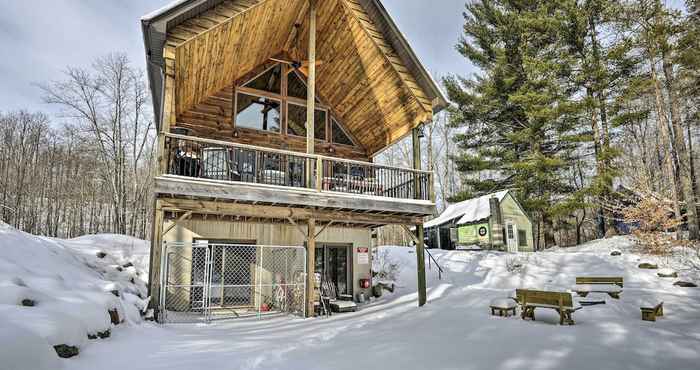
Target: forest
x=587, y=109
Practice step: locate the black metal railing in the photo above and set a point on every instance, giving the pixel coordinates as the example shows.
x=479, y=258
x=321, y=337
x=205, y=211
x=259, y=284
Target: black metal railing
x=355, y=177
x=218, y=160
x=431, y=260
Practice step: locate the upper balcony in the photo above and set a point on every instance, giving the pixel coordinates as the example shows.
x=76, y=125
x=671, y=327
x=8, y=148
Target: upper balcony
x=204, y=169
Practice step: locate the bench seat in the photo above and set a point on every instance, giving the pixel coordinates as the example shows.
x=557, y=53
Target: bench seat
x=612, y=290
x=575, y=307
x=562, y=302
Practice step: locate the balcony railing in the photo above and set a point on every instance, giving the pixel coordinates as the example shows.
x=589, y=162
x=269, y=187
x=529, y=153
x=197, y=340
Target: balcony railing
x=219, y=160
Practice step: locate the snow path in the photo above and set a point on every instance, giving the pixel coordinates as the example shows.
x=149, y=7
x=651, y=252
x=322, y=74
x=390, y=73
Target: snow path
x=453, y=331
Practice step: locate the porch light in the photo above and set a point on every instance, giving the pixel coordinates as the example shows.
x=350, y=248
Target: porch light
x=421, y=134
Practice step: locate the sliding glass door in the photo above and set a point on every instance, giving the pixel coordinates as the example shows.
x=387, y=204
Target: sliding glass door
x=333, y=262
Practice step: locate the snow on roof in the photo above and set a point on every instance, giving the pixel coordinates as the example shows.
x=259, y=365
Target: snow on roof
x=470, y=210
x=164, y=9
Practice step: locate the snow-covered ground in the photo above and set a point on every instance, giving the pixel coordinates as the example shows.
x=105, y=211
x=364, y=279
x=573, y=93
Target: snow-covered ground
x=58, y=292
x=453, y=331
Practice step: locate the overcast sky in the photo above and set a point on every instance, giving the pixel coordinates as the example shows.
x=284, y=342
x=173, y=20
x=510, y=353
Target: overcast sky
x=39, y=38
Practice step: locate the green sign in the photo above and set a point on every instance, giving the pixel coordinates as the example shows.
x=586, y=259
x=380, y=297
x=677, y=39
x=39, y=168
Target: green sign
x=474, y=234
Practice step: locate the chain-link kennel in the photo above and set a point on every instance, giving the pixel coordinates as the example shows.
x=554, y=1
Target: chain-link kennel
x=204, y=281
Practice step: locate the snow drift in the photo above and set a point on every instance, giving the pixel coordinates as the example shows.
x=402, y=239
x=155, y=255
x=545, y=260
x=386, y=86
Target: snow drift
x=55, y=292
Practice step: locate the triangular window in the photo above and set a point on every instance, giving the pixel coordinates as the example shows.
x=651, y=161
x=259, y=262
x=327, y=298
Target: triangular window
x=270, y=81
x=339, y=136
x=295, y=86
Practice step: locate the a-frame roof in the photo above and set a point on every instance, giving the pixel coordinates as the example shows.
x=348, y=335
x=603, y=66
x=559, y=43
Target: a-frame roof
x=370, y=75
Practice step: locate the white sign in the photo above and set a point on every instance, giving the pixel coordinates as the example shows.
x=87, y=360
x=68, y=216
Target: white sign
x=362, y=255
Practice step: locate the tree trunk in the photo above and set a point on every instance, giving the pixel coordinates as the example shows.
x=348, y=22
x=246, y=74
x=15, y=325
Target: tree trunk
x=684, y=169
x=664, y=135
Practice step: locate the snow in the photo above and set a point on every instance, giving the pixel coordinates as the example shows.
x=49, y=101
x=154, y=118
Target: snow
x=597, y=288
x=164, y=9
x=68, y=288
x=455, y=330
x=22, y=349
x=467, y=211
x=503, y=303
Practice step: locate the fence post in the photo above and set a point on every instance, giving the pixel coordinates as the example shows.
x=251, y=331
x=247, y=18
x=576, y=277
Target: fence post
x=163, y=278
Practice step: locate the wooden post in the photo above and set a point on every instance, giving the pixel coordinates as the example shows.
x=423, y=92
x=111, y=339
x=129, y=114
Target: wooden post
x=154, y=263
x=420, y=247
x=310, y=267
x=311, y=92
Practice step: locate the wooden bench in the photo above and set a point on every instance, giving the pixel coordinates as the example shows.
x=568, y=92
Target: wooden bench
x=561, y=302
x=650, y=312
x=612, y=286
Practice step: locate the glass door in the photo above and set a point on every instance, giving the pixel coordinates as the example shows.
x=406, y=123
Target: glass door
x=333, y=263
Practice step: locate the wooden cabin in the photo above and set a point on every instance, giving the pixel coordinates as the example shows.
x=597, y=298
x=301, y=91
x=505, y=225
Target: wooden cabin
x=270, y=113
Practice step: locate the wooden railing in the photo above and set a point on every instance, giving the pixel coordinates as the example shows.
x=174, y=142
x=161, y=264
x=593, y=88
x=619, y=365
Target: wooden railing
x=220, y=160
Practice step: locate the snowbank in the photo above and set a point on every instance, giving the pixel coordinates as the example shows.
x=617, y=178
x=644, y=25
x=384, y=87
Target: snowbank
x=454, y=330
x=55, y=292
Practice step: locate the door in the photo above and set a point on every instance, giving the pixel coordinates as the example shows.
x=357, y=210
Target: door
x=512, y=237
x=333, y=262
x=226, y=266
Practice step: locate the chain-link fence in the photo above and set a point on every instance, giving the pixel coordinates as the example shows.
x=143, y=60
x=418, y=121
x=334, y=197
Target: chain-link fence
x=206, y=281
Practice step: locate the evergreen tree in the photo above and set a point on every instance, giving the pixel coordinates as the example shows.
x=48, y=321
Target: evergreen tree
x=521, y=118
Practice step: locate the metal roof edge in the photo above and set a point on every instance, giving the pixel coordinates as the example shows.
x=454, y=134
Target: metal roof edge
x=439, y=95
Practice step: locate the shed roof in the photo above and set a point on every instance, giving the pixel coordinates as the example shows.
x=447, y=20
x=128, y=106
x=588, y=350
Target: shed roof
x=370, y=75
x=468, y=211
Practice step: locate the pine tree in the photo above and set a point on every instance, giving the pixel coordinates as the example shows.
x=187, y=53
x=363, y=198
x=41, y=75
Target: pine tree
x=522, y=123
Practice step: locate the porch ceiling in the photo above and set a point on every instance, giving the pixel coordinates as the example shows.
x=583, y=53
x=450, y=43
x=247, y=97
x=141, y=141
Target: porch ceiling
x=363, y=80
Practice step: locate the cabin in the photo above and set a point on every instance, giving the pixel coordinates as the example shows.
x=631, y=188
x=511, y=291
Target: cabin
x=270, y=114
x=492, y=221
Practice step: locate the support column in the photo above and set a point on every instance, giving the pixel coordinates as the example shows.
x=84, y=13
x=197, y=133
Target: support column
x=311, y=268
x=311, y=94
x=420, y=247
x=154, y=263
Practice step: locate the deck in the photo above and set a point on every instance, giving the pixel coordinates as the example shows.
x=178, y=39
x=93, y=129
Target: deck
x=214, y=171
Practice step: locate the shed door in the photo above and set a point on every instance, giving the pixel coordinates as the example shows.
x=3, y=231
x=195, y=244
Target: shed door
x=512, y=237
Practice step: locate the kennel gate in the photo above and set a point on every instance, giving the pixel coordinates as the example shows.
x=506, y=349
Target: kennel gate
x=205, y=281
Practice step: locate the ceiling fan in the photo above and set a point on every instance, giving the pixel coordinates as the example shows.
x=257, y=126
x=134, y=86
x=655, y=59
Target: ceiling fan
x=298, y=65
x=302, y=66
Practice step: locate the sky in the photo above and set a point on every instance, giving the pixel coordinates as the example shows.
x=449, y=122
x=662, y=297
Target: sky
x=40, y=38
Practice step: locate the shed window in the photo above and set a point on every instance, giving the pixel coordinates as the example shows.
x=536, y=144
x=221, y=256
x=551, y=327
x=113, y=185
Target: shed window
x=522, y=238
x=257, y=113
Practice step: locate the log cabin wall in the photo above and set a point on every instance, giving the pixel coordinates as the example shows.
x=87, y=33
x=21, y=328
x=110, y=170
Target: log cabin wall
x=213, y=119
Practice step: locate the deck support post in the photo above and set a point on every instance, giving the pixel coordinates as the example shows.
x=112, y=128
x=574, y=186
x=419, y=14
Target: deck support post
x=311, y=96
x=310, y=268
x=420, y=247
x=156, y=250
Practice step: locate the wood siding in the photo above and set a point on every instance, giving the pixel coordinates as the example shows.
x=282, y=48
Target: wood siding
x=511, y=211
x=362, y=79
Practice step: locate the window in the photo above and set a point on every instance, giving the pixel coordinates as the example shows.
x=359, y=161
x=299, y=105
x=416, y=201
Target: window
x=295, y=86
x=269, y=81
x=258, y=106
x=339, y=136
x=257, y=113
x=296, y=121
x=522, y=238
